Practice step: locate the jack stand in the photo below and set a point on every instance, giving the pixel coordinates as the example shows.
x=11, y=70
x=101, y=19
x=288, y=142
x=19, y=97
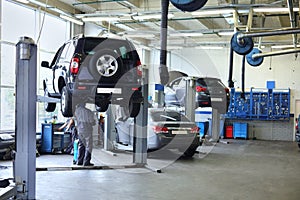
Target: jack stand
x=25, y=157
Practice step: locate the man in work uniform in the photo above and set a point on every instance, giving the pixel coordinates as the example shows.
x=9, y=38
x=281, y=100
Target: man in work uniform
x=84, y=122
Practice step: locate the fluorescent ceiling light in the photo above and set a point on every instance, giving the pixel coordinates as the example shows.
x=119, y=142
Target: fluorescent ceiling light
x=140, y=35
x=174, y=47
x=99, y=19
x=156, y=16
x=283, y=46
x=188, y=34
x=72, y=19
x=213, y=12
x=226, y=33
x=209, y=47
x=273, y=10
x=38, y=3
x=23, y=1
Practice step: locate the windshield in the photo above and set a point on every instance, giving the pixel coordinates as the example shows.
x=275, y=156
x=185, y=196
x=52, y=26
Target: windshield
x=168, y=116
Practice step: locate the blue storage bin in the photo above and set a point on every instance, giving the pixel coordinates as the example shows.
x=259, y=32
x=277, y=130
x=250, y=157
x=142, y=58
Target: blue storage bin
x=240, y=130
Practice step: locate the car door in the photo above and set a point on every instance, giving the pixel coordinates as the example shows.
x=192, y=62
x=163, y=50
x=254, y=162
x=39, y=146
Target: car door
x=62, y=65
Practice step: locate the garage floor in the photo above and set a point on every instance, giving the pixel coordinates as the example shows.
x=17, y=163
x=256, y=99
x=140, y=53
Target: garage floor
x=242, y=169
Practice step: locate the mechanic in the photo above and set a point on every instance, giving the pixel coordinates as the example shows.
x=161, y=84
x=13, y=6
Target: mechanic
x=85, y=121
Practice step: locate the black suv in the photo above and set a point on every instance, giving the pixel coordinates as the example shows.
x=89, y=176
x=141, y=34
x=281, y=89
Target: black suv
x=95, y=70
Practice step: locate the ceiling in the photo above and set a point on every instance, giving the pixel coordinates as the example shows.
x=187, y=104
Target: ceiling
x=185, y=29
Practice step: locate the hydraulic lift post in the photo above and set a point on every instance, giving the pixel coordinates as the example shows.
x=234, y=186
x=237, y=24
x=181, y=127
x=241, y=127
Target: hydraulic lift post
x=140, y=126
x=25, y=131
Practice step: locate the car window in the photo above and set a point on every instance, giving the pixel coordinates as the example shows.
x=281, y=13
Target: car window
x=168, y=116
x=64, y=53
x=70, y=52
x=56, y=56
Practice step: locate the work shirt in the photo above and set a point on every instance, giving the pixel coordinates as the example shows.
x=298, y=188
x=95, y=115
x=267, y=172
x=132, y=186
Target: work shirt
x=84, y=119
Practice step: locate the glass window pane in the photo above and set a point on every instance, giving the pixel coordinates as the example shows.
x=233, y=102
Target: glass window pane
x=7, y=120
x=8, y=60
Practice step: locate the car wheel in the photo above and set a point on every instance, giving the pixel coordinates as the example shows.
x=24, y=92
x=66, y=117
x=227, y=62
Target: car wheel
x=190, y=151
x=105, y=63
x=49, y=107
x=66, y=102
x=102, y=107
x=299, y=145
x=134, y=109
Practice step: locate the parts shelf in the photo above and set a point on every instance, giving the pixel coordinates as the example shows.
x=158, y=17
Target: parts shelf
x=260, y=104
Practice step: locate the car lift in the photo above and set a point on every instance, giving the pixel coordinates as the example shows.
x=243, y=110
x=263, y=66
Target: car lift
x=24, y=164
x=139, y=132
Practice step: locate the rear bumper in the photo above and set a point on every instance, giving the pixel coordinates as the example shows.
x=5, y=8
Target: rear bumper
x=176, y=142
x=113, y=93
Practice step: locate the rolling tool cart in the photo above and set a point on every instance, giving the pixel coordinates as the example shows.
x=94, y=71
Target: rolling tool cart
x=54, y=141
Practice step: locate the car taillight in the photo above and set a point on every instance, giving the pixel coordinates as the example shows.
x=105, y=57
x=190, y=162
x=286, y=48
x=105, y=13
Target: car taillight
x=200, y=89
x=139, y=68
x=159, y=129
x=227, y=90
x=74, y=68
x=195, y=129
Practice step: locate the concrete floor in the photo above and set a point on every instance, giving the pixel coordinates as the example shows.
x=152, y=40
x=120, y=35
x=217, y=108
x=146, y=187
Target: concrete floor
x=240, y=170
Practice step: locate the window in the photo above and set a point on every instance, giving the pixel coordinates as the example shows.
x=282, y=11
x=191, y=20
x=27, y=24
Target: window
x=28, y=23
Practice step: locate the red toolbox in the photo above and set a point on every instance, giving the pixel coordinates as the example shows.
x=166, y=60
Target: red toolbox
x=229, y=132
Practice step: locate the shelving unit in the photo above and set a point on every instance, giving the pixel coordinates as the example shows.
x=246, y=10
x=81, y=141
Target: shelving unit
x=260, y=104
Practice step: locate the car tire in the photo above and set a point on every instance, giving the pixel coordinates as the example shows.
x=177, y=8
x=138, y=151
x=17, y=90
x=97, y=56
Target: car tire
x=134, y=109
x=66, y=102
x=49, y=107
x=299, y=145
x=190, y=151
x=104, y=64
x=102, y=107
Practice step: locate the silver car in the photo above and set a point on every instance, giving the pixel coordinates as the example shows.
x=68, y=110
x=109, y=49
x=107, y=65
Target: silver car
x=172, y=130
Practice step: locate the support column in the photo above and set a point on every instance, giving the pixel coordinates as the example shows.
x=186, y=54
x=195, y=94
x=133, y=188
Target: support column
x=25, y=158
x=215, y=124
x=140, y=126
x=190, y=98
x=109, y=130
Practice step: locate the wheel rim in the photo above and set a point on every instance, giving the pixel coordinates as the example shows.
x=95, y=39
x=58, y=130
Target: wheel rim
x=63, y=100
x=46, y=95
x=107, y=65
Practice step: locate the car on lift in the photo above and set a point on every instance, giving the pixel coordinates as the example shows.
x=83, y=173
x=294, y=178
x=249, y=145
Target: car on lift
x=210, y=92
x=171, y=129
x=97, y=70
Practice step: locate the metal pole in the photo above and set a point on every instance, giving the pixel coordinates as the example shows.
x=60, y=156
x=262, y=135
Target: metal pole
x=25, y=157
x=274, y=32
x=276, y=53
x=190, y=98
x=163, y=69
x=140, y=126
x=230, y=82
x=243, y=77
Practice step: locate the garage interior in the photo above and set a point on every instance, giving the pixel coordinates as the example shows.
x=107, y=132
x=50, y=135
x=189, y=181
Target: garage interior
x=249, y=145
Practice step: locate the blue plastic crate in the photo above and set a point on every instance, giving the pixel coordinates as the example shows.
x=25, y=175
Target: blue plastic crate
x=240, y=130
x=203, y=128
